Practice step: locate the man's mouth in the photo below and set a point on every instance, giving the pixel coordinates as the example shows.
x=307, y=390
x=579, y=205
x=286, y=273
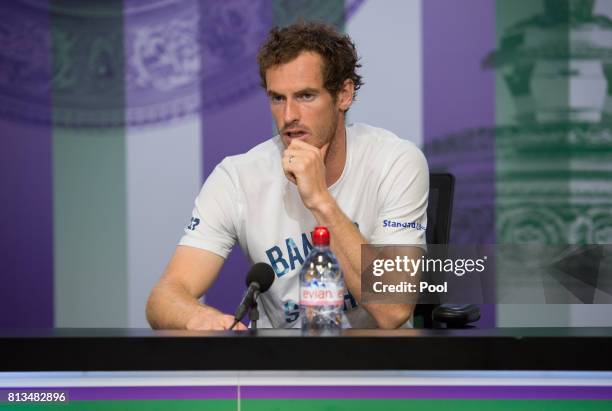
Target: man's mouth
x=295, y=134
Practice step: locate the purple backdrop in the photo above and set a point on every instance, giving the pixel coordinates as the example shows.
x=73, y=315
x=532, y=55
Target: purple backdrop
x=459, y=95
x=26, y=294
x=240, y=119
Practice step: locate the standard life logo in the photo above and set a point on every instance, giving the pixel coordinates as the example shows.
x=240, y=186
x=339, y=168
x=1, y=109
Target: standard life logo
x=413, y=224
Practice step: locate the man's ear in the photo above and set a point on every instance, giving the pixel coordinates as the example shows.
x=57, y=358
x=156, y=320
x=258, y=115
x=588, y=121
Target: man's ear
x=345, y=95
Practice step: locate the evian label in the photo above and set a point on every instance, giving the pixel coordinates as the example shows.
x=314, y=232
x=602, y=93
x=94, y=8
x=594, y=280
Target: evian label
x=322, y=294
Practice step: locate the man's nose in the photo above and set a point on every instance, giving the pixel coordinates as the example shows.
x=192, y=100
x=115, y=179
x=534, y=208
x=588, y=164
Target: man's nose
x=292, y=111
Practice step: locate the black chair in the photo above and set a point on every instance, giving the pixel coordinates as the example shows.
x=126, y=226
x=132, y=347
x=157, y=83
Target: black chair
x=439, y=216
x=440, y=207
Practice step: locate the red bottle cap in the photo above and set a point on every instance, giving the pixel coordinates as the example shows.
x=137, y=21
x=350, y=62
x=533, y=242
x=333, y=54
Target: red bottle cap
x=320, y=236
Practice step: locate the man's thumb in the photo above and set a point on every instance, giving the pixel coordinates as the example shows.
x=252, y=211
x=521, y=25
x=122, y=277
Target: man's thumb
x=324, y=151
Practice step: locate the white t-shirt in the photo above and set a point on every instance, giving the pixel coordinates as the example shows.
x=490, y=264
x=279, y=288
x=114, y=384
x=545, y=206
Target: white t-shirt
x=248, y=199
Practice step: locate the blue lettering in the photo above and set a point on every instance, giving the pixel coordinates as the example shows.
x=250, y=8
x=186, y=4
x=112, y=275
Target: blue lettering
x=293, y=252
x=292, y=311
x=276, y=260
x=413, y=224
x=193, y=223
x=306, y=245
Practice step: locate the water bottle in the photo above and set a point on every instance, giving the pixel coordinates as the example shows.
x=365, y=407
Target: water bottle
x=321, y=286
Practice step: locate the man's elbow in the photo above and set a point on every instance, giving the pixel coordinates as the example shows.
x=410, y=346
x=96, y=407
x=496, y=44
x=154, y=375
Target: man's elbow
x=394, y=318
x=149, y=312
x=151, y=308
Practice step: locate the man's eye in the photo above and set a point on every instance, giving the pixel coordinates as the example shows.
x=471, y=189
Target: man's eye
x=307, y=97
x=276, y=99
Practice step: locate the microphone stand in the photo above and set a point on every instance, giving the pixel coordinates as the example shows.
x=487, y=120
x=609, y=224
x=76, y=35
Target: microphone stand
x=254, y=312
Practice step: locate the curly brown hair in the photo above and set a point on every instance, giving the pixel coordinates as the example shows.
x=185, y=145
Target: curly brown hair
x=340, y=60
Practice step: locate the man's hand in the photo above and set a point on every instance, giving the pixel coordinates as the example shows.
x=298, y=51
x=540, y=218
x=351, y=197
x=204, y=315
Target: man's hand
x=208, y=318
x=173, y=303
x=304, y=165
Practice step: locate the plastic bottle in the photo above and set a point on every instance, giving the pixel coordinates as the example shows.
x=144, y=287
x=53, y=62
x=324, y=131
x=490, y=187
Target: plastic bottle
x=321, y=286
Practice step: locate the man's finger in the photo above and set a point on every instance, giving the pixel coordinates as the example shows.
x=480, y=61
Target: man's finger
x=290, y=153
x=324, y=151
x=228, y=320
x=301, y=145
x=291, y=177
x=287, y=165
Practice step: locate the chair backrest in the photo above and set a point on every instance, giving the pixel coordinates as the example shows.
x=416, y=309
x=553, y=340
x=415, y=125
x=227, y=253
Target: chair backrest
x=440, y=208
x=439, y=216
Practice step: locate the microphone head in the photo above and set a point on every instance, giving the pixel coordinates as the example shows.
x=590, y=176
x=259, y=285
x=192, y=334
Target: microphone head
x=262, y=274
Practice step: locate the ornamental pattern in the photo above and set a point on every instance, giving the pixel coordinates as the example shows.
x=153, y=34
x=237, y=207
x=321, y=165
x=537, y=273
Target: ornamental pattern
x=148, y=62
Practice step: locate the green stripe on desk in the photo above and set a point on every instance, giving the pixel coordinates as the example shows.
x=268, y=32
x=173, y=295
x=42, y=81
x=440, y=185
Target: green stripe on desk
x=322, y=405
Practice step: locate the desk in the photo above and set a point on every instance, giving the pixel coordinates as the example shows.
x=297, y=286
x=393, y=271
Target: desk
x=281, y=369
x=577, y=349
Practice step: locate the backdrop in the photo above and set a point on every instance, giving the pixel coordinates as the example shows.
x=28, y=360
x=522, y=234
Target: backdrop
x=112, y=114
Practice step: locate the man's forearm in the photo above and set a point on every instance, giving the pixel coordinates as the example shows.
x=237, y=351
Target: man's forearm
x=346, y=241
x=170, y=306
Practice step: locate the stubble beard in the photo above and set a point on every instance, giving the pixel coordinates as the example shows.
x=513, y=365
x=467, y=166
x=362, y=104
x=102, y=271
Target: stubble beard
x=330, y=132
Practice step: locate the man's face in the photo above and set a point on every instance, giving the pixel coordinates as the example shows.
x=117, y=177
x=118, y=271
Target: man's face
x=302, y=108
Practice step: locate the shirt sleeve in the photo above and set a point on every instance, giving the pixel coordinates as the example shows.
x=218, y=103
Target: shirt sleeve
x=403, y=196
x=214, y=220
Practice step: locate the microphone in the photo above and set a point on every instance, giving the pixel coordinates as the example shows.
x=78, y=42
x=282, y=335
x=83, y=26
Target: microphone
x=258, y=280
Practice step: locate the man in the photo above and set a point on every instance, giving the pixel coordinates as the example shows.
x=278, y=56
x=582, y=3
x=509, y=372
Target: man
x=317, y=171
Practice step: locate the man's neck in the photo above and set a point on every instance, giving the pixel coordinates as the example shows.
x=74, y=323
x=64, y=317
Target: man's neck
x=335, y=159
